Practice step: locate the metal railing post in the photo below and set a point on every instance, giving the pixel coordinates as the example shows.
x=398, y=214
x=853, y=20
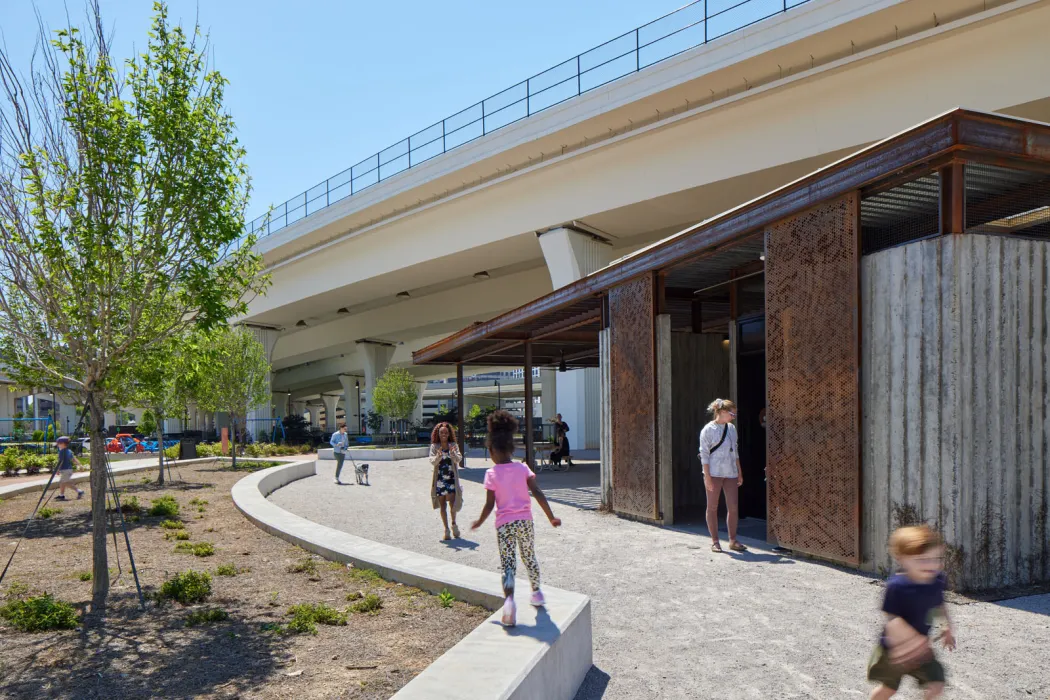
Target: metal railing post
x=483, y=132
x=578, y=89
x=705, y=21
x=443, y=149
x=409, y=144
x=328, y=189
x=528, y=97
x=638, y=52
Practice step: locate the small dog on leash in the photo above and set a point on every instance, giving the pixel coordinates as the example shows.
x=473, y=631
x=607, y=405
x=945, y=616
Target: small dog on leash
x=361, y=472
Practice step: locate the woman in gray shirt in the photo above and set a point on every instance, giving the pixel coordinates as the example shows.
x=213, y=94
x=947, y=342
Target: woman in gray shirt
x=720, y=456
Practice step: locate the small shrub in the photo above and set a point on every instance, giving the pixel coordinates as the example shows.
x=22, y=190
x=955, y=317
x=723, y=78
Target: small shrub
x=198, y=502
x=370, y=604
x=356, y=595
x=84, y=576
x=180, y=535
x=446, y=599
x=202, y=617
x=40, y=614
x=164, y=507
x=304, y=566
x=172, y=453
x=131, y=506
x=10, y=461
x=38, y=436
x=171, y=525
x=306, y=617
x=46, y=512
x=187, y=588
x=366, y=576
x=226, y=570
x=17, y=589
x=198, y=549
x=274, y=595
x=305, y=449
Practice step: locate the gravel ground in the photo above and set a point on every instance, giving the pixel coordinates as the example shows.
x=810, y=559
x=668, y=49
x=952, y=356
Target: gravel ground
x=133, y=655
x=674, y=620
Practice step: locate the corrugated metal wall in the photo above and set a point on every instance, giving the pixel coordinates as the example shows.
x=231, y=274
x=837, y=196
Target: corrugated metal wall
x=956, y=415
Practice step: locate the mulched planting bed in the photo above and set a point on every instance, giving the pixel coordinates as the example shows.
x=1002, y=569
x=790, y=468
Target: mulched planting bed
x=241, y=642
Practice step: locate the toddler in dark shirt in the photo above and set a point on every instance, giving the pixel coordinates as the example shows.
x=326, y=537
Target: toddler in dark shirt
x=913, y=598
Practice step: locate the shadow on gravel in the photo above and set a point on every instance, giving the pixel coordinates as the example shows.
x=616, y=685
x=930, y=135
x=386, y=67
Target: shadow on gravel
x=131, y=654
x=594, y=685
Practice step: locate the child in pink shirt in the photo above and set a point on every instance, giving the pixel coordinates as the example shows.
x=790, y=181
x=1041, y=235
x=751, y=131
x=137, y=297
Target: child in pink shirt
x=509, y=485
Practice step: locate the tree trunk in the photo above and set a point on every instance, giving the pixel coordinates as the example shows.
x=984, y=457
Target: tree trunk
x=160, y=445
x=233, y=442
x=100, y=561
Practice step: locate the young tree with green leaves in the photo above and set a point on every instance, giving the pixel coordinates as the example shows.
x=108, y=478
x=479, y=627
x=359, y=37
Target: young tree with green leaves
x=396, y=394
x=233, y=376
x=122, y=198
x=164, y=380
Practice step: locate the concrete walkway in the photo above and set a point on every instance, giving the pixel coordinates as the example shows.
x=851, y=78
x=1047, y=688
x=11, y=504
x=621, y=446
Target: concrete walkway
x=672, y=619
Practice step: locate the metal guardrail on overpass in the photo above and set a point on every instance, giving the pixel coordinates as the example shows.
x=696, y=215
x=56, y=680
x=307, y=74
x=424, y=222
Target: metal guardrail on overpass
x=686, y=28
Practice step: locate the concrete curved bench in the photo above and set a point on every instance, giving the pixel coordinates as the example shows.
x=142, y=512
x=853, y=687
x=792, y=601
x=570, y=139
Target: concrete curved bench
x=545, y=657
x=377, y=455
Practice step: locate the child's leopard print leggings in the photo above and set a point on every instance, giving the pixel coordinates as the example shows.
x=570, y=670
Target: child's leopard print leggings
x=522, y=533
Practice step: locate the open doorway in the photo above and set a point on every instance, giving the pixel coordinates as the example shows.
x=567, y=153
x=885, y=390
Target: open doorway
x=751, y=400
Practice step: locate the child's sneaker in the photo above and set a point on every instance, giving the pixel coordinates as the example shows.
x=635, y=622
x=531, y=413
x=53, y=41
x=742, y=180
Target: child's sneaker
x=537, y=600
x=60, y=498
x=80, y=494
x=510, y=612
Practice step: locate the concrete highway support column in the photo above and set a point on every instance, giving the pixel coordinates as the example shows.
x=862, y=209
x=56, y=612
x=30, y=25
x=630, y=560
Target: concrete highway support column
x=7, y=409
x=331, y=403
x=376, y=357
x=548, y=394
x=259, y=416
x=280, y=404
x=572, y=255
x=351, y=402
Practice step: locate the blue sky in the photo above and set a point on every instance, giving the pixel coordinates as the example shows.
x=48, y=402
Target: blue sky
x=318, y=85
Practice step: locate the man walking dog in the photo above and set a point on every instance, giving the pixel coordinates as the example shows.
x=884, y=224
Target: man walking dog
x=340, y=442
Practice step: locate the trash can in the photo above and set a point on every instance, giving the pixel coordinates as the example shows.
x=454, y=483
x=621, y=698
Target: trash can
x=188, y=448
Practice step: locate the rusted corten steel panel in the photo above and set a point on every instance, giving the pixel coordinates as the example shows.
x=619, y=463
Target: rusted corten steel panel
x=632, y=398
x=812, y=355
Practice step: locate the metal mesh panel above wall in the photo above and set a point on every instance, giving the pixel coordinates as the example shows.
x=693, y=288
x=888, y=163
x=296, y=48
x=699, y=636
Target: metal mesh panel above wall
x=1007, y=202
x=813, y=412
x=905, y=213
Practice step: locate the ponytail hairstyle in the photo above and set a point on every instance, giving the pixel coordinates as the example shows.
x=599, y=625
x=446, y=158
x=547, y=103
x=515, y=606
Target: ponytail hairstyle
x=720, y=405
x=501, y=429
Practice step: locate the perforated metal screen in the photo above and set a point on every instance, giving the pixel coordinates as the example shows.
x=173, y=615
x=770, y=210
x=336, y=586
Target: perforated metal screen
x=813, y=412
x=633, y=398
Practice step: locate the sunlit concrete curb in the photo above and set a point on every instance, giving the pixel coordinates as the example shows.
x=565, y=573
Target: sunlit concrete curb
x=545, y=657
x=39, y=484
x=379, y=455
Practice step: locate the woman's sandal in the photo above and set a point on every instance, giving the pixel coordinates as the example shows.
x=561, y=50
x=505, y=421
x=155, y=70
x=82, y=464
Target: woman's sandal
x=447, y=536
x=455, y=531
x=716, y=548
x=737, y=547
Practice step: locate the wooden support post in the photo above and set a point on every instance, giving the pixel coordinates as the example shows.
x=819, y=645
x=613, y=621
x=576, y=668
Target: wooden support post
x=460, y=432
x=953, y=199
x=697, y=316
x=528, y=407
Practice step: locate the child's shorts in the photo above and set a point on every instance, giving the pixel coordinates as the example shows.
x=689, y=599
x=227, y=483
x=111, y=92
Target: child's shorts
x=880, y=670
x=65, y=476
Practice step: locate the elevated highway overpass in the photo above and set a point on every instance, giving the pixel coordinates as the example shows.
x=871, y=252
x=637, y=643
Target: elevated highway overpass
x=361, y=282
